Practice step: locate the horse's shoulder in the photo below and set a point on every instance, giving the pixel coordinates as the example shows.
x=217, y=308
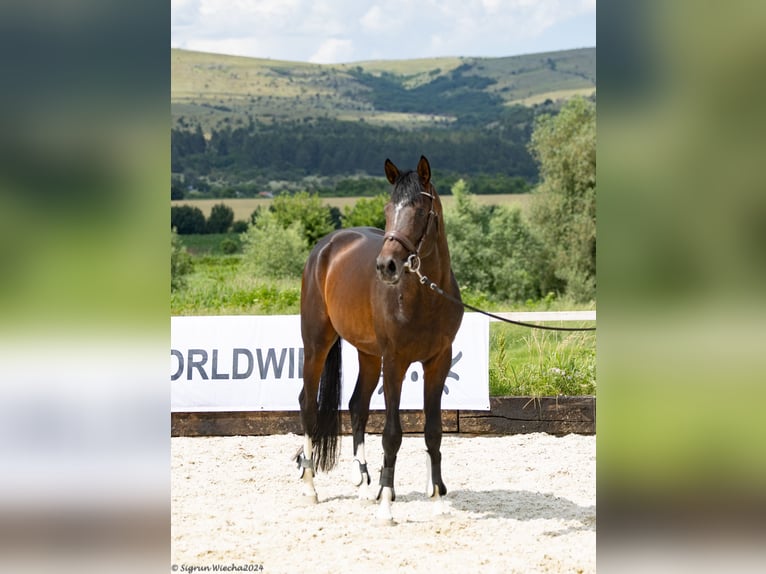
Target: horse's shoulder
x=342, y=239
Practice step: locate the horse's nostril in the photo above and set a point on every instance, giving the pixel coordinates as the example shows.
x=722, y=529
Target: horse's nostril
x=387, y=268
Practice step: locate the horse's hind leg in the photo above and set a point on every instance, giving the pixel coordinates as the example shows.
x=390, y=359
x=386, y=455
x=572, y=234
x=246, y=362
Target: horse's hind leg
x=359, y=407
x=306, y=468
x=434, y=373
x=317, y=343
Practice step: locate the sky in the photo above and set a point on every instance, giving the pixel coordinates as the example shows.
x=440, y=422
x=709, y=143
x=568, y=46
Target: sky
x=343, y=31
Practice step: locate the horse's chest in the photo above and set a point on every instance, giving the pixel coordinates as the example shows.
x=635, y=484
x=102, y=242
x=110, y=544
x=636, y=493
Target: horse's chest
x=406, y=328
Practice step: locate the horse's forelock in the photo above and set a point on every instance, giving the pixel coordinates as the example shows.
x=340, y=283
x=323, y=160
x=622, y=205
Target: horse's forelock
x=406, y=189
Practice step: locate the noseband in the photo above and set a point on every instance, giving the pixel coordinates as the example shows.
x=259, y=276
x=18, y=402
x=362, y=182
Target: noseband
x=414, y=250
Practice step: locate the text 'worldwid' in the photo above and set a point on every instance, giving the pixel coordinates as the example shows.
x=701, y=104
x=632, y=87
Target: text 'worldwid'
x=271, y=363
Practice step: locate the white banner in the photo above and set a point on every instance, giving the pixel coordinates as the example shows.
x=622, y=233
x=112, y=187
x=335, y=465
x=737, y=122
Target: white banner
x=252, y=363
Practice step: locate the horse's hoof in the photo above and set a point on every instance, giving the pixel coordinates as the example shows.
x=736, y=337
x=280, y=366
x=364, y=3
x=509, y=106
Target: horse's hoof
x=384, y=508
x=440, y=507
x=384, y=520
x=307, y=500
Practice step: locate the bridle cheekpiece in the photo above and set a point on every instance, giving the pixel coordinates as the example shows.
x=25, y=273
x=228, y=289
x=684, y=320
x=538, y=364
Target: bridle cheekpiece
x=413, y=260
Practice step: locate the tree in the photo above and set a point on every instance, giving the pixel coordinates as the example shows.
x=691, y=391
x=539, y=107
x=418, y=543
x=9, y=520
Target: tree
x=494, y=253
x=221, y=218
x=176, y=191
x=564, y=208
x=366, y=212
x=187, y=219
x=467, y=225
x=315, y=218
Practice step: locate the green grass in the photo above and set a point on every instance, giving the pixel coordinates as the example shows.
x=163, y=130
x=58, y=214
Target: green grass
x=218, y=287
x=208, y=243
x=532, y=362
x=522, y=361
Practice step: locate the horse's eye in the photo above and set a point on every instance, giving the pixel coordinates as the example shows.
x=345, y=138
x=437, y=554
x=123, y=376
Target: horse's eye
x=420, y=212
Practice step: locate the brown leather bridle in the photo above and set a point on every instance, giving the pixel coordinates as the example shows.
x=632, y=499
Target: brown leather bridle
x=412, y=249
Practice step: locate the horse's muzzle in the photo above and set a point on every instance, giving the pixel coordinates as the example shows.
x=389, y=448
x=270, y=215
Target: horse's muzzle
x=389, y=269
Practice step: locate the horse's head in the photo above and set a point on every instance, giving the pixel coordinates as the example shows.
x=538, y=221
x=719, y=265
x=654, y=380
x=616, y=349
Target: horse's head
x=412, y=220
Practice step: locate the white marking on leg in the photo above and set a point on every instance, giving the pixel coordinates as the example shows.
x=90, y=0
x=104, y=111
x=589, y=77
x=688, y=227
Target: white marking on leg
x=356, y=474
x=309, y=492
x=359, y=478
x=430, y=489
x=384, y=508
x=360, y=453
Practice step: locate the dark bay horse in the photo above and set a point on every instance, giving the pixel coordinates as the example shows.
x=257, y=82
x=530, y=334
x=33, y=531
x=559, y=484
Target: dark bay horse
x=360, y=284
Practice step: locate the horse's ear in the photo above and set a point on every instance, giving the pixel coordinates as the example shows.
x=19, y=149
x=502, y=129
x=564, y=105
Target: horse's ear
x=392, y=172
x=424, y=171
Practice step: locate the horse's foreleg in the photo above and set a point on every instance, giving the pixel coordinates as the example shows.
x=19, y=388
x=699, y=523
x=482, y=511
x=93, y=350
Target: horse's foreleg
x=434, y=374
x=359, y=407
x=393, y=373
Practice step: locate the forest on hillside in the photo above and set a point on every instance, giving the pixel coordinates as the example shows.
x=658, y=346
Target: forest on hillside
x=252, y=151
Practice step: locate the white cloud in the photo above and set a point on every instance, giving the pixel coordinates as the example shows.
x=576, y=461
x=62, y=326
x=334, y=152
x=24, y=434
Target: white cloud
x=490, y=6
x=373, y=19
x=333, y=50
x=183, y=12
x=235, y=46
x=349, y=30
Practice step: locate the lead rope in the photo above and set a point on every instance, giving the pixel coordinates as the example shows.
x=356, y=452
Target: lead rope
x=413, y=266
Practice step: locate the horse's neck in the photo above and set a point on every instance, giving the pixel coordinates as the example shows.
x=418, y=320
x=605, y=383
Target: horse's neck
x=437, y=265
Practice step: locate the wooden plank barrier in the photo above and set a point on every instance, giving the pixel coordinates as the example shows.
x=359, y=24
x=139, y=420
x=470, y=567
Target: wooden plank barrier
x=515, y=415
x=507, y=415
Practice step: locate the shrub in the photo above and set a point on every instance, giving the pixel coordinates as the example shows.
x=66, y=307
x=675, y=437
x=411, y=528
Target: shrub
x=229, y=246
x=221, y=218
x=187, y=219
x=180, y=262
x=493, y=251
x=272, y=250
x=366, y=212
x=315, y=218
x=256, y=214
x=336, y=217
x=239, y=226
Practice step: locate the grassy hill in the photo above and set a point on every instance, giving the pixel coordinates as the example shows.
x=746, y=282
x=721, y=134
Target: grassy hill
x=215, y=90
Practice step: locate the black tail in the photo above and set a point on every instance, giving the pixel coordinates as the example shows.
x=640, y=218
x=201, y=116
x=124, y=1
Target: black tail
x=325, y=434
